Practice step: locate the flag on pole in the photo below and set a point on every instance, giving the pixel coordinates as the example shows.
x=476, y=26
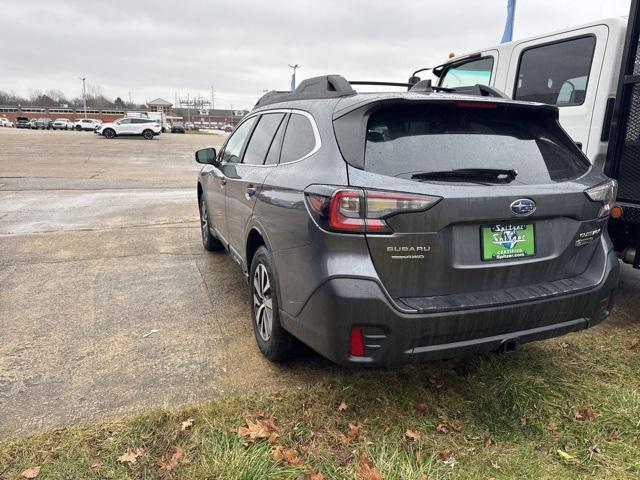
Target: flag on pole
x=508, y=28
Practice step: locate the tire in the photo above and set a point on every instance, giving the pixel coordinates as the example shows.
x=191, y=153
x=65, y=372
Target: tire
x=78, y=128
x=109, y=133
x=274, y=342
x=148, y=134
x=209, y=242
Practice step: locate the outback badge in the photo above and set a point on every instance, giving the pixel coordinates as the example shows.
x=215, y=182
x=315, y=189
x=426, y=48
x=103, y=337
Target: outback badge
x=523, y=206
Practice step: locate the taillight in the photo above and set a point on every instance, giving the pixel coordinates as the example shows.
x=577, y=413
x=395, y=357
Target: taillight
x=360, y=211
x=604, y=193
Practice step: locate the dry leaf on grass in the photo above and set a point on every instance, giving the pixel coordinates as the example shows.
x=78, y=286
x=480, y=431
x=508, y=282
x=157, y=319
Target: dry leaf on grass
x=364, y=460
x=487, y=441
x=173, y=461
x=131, y=456
x=444, y=455
x=32, y=472
x=259, y=429
x=342, y=407
x=442, y=428
x=552, y=428
x=313, y=475
x=411, y=435
x=343, y=457
x=422, y=408
x=365, y=472
x=291, y=457
x=632, y=344
x=186, y=424
x=352, y=433
x=613, y=437
x=584, y=415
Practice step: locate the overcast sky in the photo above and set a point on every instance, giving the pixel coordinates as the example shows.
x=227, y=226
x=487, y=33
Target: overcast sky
x=159, y=48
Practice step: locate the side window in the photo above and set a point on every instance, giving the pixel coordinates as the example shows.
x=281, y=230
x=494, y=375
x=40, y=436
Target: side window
x=468, y=74
x=125, y=121
x=233, y=148
x=299, y=139
x=273, y=157
x=556, y=73
x=261, y=138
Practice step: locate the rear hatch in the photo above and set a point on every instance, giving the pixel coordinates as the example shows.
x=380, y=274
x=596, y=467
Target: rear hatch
x=513, y=206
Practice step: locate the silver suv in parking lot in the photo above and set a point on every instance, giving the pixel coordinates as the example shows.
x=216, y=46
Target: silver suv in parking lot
x=385, y=228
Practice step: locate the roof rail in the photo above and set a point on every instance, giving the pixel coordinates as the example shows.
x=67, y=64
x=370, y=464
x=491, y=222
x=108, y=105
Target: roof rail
x=334, y=86
x=326, y=86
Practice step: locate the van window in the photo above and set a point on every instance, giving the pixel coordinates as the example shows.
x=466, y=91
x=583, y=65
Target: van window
x=406, y=140
x=261, y=138
x=556, y=73
x=299, y=139
x=468, y=74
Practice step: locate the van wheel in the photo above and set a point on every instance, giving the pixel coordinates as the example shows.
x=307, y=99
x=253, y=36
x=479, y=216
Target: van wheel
x=148, y=134
x=78, y=127
x=274, y=342
x=210, y=243
x=109, y=133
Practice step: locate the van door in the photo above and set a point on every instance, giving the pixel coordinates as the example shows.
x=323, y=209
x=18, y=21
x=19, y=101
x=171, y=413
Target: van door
x=561, y=70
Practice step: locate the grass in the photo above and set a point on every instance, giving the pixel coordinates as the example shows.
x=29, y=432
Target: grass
x=562, y=409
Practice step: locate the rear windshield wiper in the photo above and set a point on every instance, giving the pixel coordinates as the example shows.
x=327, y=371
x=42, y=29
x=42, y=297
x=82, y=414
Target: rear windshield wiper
x=493, y=175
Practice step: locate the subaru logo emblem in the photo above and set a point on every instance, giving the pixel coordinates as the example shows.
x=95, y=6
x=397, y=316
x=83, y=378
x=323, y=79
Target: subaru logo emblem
x=523, y=206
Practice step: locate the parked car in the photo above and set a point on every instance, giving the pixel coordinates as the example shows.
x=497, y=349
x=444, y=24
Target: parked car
x=228, y=128
x=22, y=122
x=145, y=127
x=388, y=228
x=5, y=122
x=33, y=124
x=62, y=124
x=177, y=127
x=44, y=124
x=87, y=124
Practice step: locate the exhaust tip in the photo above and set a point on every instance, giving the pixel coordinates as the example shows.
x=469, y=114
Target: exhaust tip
x=508, y=346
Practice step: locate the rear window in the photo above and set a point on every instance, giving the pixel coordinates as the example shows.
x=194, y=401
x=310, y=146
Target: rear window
x=402, y=141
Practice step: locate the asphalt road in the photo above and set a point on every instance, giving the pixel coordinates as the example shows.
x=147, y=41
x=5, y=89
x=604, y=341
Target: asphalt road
x=100, y=245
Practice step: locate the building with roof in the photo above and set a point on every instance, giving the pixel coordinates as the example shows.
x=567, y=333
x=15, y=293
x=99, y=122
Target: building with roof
x=159, y=105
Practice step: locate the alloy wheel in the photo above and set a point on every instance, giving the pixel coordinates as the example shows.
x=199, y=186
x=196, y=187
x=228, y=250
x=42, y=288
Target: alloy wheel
x=262, y=302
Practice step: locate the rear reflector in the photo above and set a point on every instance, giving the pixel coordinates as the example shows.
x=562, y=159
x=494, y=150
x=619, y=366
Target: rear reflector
x=356, y=342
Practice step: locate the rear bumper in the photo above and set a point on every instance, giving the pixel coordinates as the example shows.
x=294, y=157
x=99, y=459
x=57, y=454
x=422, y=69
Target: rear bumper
x=394, y=337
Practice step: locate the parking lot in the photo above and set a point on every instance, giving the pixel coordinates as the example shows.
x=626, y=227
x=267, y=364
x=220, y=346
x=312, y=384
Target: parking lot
x=100, y=247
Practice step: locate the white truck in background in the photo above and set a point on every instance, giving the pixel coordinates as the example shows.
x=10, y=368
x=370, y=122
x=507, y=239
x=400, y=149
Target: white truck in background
x=159, y=117
x=592, y=74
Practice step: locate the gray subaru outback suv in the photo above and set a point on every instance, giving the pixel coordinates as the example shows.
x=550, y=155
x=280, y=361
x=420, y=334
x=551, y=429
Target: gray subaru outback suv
x=386, y=228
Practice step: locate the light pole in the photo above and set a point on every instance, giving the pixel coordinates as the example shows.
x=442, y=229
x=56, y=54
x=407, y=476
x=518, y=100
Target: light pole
x=84, y=96
x=293, y=77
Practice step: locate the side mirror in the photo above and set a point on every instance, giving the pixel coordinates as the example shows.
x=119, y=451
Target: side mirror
x=206, y=156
